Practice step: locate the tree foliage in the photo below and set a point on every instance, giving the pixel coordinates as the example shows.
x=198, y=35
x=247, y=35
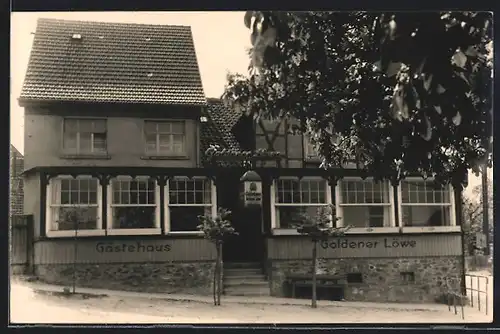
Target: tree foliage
x=397, y=93
x=473, y=217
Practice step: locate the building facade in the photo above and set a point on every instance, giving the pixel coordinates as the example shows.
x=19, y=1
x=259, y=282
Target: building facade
x=16, y=193
x=116, y=129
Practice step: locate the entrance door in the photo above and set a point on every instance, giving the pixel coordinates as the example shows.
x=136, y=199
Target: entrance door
x=248, y=245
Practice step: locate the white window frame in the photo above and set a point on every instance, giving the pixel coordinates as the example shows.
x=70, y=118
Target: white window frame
x=78, y=134
x=157, y=134
x=71, y=233
x=132, y=231
x=428, y=229
x=392, y=228
x=274, y=223
x=310, y=153
x=213, y=205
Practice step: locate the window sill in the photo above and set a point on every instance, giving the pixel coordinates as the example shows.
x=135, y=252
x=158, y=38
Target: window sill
x=134, y=231
x=313, y=159
x=164, y=157
x=71, y=233
x=285, y=231
x=355, y=230
x=85, y=156
x=431, y=229
x=194, y=233
x=372, y=230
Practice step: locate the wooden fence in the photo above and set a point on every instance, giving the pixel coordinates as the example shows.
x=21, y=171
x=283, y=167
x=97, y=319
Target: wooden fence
x=21, y=243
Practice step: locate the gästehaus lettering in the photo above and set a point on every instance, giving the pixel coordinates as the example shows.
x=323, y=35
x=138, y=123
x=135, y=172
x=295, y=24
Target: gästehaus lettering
x=138, y=247
x=386, y=243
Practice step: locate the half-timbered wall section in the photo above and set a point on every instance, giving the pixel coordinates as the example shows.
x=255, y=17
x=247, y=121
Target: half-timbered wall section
x=275, y=136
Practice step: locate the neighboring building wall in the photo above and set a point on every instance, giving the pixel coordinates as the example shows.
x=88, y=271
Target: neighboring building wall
x=16, y=185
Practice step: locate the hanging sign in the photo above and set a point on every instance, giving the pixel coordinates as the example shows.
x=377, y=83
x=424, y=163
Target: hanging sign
x=252, y=193
x=252, y=188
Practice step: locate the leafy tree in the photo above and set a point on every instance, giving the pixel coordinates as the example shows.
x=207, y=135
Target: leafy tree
x=372, y=87
x=473, y=217
x=318, y=228
x=217, y=230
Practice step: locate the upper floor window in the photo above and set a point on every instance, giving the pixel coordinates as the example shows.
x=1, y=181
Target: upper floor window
x=134, y=205
x=84, y=136
x=165, y=138
x=294, y=197
x=425, y=203
x=187, y=199
x=365, y=203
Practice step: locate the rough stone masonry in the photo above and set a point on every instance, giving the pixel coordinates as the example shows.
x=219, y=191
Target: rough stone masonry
x=383, y=280
x=168, y=277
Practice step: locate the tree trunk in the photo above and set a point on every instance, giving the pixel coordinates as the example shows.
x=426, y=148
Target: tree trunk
x=484, y=197
x=215, y=276
x=219, y=273
x=313, y=301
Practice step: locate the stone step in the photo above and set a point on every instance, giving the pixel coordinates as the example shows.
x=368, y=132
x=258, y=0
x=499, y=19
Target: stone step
x=247, y=291
x=245, y=282
x=252, y=277
x=242, y=272
x=235, y=265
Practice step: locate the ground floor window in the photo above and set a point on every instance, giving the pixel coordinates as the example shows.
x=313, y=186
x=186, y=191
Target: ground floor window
x=133, y=203
x=365, y=203
x=293, y=198
x=186, y=199
x=73, y=204
x=425, y=203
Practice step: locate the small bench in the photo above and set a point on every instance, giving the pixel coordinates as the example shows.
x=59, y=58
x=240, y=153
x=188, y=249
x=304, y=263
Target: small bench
x=322, y=281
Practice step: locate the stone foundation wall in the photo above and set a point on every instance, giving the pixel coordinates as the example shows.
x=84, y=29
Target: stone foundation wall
x=169, y=277
x=382, y=279
x=18, y=269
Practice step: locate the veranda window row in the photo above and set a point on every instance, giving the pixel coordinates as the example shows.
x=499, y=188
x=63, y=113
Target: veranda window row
x=133, y=205
x=363, y=203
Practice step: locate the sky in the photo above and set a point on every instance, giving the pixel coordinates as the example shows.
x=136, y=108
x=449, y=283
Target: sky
x=221, y=40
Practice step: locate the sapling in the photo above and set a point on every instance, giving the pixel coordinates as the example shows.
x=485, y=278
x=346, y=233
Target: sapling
x=216, y=230
x=319, y=227
x=74, y=215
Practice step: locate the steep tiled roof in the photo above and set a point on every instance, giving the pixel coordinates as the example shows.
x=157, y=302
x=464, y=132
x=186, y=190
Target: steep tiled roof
x=226, y=119
x=113, y=62
x=218, y=129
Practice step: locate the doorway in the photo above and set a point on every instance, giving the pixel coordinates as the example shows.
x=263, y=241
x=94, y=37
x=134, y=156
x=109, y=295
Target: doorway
x=248, y=245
